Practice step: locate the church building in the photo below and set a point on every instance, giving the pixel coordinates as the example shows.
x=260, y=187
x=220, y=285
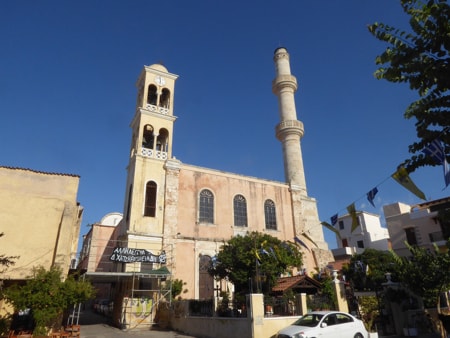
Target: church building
x=183, y=213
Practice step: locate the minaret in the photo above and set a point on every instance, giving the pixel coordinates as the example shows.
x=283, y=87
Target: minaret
x=289, y=131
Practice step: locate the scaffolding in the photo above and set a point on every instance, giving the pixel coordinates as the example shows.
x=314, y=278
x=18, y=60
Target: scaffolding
x=136, y=292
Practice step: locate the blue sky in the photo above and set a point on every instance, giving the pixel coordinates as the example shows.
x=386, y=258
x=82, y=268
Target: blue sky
x=67, y=93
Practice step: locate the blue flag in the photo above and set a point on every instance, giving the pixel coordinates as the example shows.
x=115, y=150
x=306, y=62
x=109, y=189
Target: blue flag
x=371, y=195
x=334, y=219
x=435, y=151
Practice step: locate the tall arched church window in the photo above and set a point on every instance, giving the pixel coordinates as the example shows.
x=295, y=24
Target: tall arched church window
x=240, y=211
x=152, y=95
x=206, y=281
x=164, y=100
x=150, y=199
x=206, y=207
x=162, y=141
x=148, y=137
x=270, y=215
x=130, y=194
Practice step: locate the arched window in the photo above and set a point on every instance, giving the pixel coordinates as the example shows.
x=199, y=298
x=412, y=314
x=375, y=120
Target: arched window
x=240, y=211
x=152, y=95
x=148, y=137
x=164, y=100
x=162, y=141
x=130, y=194
x=206, y=281
x=206, y=207
x=270, y=215
x=150, y=199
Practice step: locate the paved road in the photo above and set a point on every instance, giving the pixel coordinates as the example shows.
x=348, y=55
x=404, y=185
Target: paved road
x=96, y=326
x=106, y=331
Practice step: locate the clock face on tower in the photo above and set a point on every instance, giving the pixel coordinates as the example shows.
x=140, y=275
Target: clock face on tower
x=160, y=81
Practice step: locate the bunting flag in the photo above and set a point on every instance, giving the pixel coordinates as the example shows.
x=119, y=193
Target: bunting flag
x=273, y=253
x=332, y=228
x=371, y=195
x=299, y=241
x=436, y=152
x=309, y=239
x=257, y=255
x=402, y=177
x=446, y=173
x=352, y=211
x=334, y=219
x=264, y=251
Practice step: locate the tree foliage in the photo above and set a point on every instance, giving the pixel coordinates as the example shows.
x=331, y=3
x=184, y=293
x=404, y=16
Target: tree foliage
x=254, y=261
x=367, y=271
x=47, y=295
x=421, y=59
x=6, y=261
x=426, y=273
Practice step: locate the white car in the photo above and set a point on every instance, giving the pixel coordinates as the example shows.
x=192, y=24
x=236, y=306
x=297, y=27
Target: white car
x=325, y=324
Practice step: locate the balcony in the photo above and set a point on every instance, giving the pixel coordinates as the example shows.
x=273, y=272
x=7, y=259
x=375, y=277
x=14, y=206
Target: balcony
x=156, y=109
x=151, y=153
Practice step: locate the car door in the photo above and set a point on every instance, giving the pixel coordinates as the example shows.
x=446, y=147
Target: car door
x=345, y=325
x=327, y=328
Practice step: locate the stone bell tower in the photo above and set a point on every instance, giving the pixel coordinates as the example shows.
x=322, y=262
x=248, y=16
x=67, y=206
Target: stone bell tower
x=151, y=151
x=290, y=132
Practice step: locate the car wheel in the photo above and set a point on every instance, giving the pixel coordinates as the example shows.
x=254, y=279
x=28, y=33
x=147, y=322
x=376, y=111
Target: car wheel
x=358, y=335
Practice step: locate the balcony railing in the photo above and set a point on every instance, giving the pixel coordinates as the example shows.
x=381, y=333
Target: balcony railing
x=161, y=155
x=156, y=109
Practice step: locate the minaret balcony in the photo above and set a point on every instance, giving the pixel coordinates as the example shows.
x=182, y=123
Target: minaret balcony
x=289, y=127
x=156, y=109
x=151, y=153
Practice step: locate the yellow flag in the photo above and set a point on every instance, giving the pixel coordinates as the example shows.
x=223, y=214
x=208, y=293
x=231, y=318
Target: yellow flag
x=352, y=211
x=402, y=177
x=332, y=228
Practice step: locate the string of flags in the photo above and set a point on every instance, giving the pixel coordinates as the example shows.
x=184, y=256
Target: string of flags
x=434, y=150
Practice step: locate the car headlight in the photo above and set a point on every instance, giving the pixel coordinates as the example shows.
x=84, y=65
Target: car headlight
x=300, y=335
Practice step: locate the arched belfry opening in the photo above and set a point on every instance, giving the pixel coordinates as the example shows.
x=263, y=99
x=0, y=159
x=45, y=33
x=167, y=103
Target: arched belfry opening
x=165, y=98
x=152, y=95
x=148, y=138
x=162, y=141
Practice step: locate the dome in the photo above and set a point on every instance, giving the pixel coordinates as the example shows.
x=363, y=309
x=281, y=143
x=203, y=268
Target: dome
x=159, y=67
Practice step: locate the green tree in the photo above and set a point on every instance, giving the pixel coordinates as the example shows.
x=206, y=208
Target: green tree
x=6, y=261
x=421, y=59
x=426, y=273
x=254, y=261
x=48, y=296
x=174, y=288
x=367, y=271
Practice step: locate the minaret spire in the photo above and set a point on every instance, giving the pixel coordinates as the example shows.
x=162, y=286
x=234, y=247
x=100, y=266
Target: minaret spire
x=289, y=131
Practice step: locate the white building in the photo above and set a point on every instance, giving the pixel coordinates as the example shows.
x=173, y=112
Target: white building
x=417, y=224
x=368, y=234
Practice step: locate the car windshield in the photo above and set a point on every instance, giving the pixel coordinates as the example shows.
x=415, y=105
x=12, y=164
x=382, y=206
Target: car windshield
x=311, y=320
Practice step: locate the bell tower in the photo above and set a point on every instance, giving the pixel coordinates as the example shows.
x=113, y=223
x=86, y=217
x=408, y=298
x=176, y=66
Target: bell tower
x=151, y=148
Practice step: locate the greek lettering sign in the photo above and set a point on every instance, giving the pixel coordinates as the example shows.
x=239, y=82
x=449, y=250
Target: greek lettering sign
x=127, y=255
